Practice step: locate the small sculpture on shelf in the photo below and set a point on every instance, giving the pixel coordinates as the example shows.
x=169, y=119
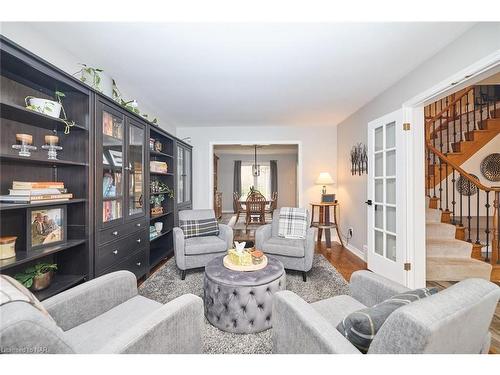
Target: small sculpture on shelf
x=24, y=144
x=52, y=146
x=156, y=201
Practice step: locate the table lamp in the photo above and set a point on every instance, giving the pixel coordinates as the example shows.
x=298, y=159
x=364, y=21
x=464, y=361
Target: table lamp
x=324, y=179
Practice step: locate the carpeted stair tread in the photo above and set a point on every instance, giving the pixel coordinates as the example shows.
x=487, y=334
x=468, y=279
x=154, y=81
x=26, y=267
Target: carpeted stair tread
x=440, y=231
x=432, y=215
x=448, y=248
x=456, y=269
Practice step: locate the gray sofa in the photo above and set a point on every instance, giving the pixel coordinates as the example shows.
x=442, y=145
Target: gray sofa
x=294, y=254
x=196, y=252
x=104, y=315
x=455, y=320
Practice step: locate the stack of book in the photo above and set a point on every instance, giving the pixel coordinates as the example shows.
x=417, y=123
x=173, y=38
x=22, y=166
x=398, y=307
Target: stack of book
x=36, y=192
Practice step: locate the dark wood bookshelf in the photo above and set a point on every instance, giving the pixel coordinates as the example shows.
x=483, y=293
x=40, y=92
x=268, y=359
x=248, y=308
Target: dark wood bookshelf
x=160, y=235
x=157, y=255
x=31, y=255
x=18, y=206
x=19, y=113
x=161, y=154
x=38, y=160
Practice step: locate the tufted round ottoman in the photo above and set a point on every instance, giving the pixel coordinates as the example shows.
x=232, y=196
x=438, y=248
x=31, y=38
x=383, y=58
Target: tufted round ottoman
x=241, y=302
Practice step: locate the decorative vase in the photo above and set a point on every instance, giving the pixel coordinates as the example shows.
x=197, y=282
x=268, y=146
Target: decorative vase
x=7, y=247
x=42, y=281
x=47, y=107
x=158, y=227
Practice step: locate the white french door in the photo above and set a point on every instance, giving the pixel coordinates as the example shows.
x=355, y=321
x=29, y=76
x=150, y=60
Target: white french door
x=387, y=186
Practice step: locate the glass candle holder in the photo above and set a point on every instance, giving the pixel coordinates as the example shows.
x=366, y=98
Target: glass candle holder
x=24, y=144
x=52, y=147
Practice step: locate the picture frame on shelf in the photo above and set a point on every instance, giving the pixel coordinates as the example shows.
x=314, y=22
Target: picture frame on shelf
x=327, y=198
x=116, y=158
x=46, y=226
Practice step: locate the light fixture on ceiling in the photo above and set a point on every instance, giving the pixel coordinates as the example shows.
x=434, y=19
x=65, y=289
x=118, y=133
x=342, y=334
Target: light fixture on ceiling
x=255, y=166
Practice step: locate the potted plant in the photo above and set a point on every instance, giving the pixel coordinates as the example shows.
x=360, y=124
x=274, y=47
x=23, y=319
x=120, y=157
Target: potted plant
x=96, y=78
x=37, y=277
x=52, y=108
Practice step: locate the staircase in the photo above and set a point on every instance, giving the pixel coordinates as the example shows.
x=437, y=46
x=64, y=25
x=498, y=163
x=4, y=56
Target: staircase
x=459, y=245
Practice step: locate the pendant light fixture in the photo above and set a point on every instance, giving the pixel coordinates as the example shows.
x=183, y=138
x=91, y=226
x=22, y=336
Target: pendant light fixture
x=255, y=166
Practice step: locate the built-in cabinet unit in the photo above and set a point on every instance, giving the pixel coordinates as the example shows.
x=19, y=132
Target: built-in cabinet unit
x=104, y=163
x=121, y=205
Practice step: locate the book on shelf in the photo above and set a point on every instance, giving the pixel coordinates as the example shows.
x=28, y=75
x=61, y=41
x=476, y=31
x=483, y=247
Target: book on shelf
x=19, y=185
x=158, y=166
x=36, y=192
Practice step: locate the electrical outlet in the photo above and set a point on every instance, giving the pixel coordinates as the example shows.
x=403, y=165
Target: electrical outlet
x=350, y=231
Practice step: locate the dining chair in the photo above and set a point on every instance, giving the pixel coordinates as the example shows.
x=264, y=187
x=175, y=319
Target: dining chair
x=238, y=206
x=256, y=207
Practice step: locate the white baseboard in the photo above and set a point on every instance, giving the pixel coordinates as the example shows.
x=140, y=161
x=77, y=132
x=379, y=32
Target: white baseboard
x=359, y=253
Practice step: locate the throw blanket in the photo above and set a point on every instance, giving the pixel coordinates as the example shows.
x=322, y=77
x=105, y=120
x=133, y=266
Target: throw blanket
x=292, y=223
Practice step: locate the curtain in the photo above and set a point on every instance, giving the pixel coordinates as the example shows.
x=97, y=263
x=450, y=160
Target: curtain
x=274, y=176
x=237, y=180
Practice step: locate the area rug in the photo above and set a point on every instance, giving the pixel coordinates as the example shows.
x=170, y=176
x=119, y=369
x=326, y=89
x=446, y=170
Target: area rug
x=323, y=281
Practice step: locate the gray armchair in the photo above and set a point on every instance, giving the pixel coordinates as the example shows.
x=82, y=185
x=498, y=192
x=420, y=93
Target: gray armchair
x=104, y=315
x=196, y=252
x=455, y=320
x=294, y=254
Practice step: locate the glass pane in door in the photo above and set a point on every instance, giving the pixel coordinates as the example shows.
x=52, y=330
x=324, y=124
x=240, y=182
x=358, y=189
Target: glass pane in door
x=187, y=177
x=384, y=187
x=112, y=166
x=180, y=174
x=136, y=170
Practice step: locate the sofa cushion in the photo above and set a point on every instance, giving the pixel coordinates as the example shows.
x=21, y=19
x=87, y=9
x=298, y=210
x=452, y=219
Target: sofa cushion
x=284, y=246
x=360, y=327
x=204, y=245
x=200, y=227
x=335, y=309
x=90, y=336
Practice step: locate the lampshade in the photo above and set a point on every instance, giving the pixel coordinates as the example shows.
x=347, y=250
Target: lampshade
x=324, y=179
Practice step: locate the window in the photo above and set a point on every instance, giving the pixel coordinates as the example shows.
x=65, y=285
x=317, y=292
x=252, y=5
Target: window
x=261, y=183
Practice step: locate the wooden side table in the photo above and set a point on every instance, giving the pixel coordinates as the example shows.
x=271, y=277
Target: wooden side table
x=324, y=222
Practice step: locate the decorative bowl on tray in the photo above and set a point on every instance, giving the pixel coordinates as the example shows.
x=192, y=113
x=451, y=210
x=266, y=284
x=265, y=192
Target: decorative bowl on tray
x=246, y=260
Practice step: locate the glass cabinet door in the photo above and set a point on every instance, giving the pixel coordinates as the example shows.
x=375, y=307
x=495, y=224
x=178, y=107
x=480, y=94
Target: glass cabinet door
x=187, y=175
x=135, y=169
x=180, y=174
x=113, y=143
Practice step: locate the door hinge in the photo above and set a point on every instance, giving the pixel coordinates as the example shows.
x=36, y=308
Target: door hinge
x=407, y=266
x=406, y=126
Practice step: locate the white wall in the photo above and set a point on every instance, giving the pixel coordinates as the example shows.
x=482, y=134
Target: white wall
x=40, y=45
x=287, y=177
x=479, y=41
x=317, y=148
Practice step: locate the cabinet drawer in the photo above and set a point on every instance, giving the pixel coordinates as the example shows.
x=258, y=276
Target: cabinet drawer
x=117, y=232
x=136, y=263
x=113, y=253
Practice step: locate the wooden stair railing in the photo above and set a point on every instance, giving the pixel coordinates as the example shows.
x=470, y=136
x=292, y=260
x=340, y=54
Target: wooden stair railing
x=474, y=207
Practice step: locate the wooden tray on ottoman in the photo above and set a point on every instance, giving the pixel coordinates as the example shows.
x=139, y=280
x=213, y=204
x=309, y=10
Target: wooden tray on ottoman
x=253, y=267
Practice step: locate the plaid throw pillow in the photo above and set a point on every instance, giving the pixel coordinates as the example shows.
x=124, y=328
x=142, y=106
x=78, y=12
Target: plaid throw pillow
x=360, y=327
x=12, y=290
x=292, y=223
x=200, y=228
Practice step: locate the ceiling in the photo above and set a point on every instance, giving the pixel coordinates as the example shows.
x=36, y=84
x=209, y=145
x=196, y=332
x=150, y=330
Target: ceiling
x=230, y=74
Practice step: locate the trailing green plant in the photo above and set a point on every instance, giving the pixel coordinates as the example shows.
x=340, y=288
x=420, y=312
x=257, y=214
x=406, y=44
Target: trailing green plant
x=161, y=187
x=58, y=96
x=157, y=199
x=130, y=105
x=94, y=73
x=28, y=275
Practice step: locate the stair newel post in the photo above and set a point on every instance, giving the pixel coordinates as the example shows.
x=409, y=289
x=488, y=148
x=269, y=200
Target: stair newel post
x=453, y=202
x=447, y=122
x=467, y=121
x=495, y=239
x=469, y=218
x=460, y=119
x=478, y=242
x=461, y=209
x=487, y=230
x=446, y=188
x=440, y=184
